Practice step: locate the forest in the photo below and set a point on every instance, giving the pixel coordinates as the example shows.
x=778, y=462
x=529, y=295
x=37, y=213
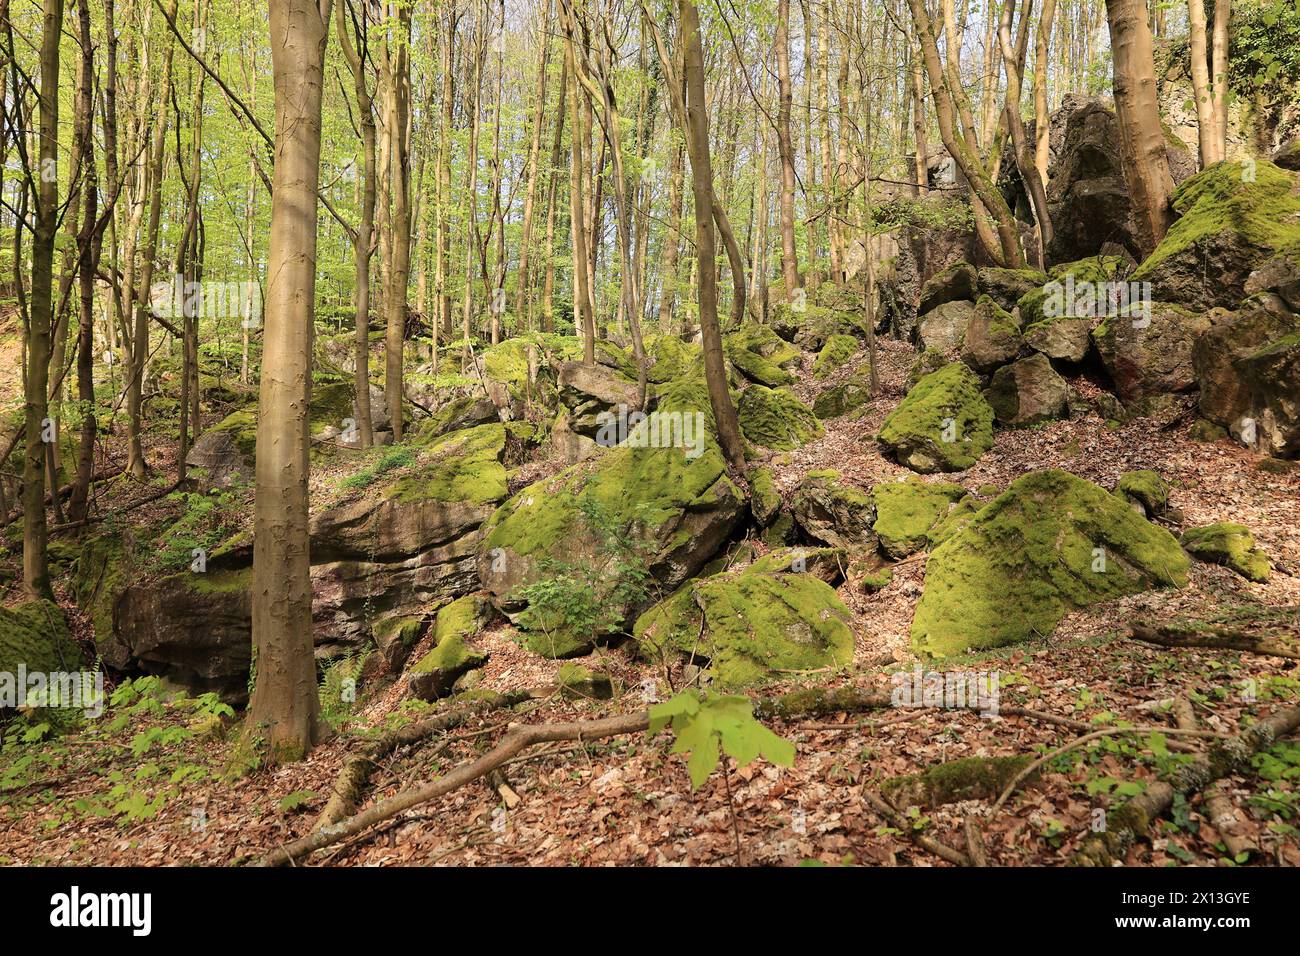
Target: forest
x=646, y=433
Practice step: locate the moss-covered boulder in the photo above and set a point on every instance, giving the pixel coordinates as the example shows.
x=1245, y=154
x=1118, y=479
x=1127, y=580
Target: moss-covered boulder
x=34, y=636
x=1065, y=338
x=1027, y=392
x=829, y=510
x=1231, y=545
x=970, y=778
x=750, y=626
x=396, y=636
x=837, y=350
x=1232, y=218
x=1247, y=365
x=762, y=356
x=435, y=673
x=664, y=494
x=774, y=418
x=1145, y=489
x=942, y=424
x=992, y=338
x=1148, y=351
x=930, y=360
x=825, y=564
x=907, y=510
x=843, y=398
x=1071, y=289
x=456, y=414
x=809, y=326
x=1051, y=543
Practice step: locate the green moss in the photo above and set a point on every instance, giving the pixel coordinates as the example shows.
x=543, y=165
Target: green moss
x=931, y=360
x=765, y=500
x=837, y=350
x=670, y=358
x=774, y=418
x=943, y=405
x=970, y=778
x=103, y=571
x=957, y=518
x=779, y=531
x=436, y=672
x=225, y=581
x=758, y=369
x=462, y=466
x=751, y=624
x=36, y=636
x=1264, y=214
x=872, y=581
x=907, y=510
x=1231, y=545
x=582, y=683
x=1096, y=269
x=843, y=398
x=1050, y=543
x=1145, y=487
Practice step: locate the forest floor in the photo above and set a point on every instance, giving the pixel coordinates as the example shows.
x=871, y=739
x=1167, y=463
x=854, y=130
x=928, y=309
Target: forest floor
x=628, y=800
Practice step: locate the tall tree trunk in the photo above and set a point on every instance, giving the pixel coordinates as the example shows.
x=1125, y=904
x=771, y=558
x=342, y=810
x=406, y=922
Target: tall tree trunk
x=283, y=710
x=534, y=157
x=1142, y=139
x=1042, y=119
x=715, y=372
x=1025, y=159
x=785, y=147
x=397, y=60
x=363, y=237
x=38, y=428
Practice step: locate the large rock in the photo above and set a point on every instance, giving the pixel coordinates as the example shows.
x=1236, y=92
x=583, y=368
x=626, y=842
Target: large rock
x=1051, y=543
x=409, y=540
x=1007, y=286
x=1088, y=197
x=592, y=394
x=1231, y=545
x=665, y=492
x=942, y=424
x=761, y=355
x=1027, y=392
x=1246, y=367
x=906, y=512
x=944, y=327
x=834, y=513
x=1148, y=351
x=435, y=673
x=992, y=338
x=749, y=626
x=774, y=418
x=1233, y=218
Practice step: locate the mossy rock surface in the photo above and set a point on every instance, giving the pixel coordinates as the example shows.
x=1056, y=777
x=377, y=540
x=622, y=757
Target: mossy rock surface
x=765, y=500
x=992, y=338
x=843, y=398
x=1231, y=545
x=1145, y=487
x=435, y=673
x=582, y=683
x=942, y=424
x=1051, y=299
x=761, y=355
x=930, y=360
x=750, y=626
x=758, y=369
x=829, y=510
x=1049, y=544
x=837, y=350
x=674, y=504
x=103, y=571
x=1007, y=286
x=959, y=281
x=907, y=510
x=1233, y=218
x=775, y=419
x=35, y=636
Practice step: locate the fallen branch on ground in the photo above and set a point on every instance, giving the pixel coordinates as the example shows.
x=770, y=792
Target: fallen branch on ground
x=1131, y=820
x=899, y=821
x=1273, y=644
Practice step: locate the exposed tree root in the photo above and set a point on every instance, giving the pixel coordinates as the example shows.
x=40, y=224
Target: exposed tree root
x=974, y=841
x=1131, y=820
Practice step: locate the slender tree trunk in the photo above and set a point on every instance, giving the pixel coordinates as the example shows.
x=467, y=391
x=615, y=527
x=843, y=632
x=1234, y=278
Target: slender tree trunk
x=533, y=170
x=398, y=104
x=724, y=413
x=1142, y=140
x=785, y=147
x=38, y=428
x=1042, y=119
x=283, y=711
